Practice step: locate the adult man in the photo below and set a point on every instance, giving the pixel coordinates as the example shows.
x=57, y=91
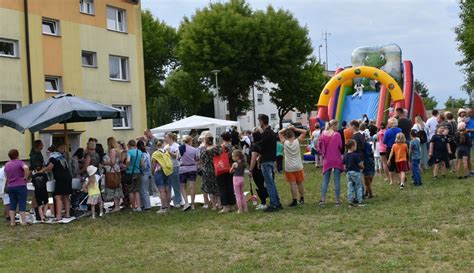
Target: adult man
x=268, y=158
x=404, y=123
x=470, y=129
x=235, y=136
x=432, y=123
x=150, y=141
x=36, y=157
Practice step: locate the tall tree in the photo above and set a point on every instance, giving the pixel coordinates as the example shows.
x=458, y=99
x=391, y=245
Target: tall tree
x=465, y=38
x=159, y=42
x=222, y=37
x=453, y=103
x=430, y=102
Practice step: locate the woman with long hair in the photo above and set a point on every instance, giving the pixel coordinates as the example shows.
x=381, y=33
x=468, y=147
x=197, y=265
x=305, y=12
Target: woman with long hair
x=422, y=133
x=383, y=150
x=112, y=165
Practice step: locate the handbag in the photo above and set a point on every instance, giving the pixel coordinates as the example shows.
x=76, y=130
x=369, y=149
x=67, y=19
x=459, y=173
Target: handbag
x=221, y=163
x=112, y=180
x=130, y=177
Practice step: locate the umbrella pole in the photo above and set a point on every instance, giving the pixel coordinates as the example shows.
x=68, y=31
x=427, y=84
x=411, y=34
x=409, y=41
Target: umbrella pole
x=66, y=142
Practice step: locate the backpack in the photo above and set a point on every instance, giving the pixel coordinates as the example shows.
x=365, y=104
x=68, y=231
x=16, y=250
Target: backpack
x=421, y=134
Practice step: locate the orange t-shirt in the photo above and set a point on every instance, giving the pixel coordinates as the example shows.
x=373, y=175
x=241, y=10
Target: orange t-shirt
x=400, y=152
x=347, y=135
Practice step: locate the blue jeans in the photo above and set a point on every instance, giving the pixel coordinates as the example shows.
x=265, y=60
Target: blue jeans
x=415, y=171
x=174, y=181
x=267, y=171
x=18, y=197
x=145, y=190
x=337, y=183
x=354, y=186
x=161, y=180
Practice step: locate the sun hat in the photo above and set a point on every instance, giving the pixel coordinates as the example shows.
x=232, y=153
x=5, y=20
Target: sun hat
x=91, y=170
x=461, y=110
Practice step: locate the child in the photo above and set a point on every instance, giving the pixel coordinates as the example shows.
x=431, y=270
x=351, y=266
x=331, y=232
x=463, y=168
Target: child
x=279, y=159
x=91, y=186
x=415, y=156
x=354, y=165
x=39, y=181
x=238, y=169
x=439, y=152
x=400, y=152
x=377, y=156
x=463, y=142
x=314, y=140
x=369, y=168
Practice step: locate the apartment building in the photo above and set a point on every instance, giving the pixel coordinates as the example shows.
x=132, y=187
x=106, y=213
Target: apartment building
x=89, y=48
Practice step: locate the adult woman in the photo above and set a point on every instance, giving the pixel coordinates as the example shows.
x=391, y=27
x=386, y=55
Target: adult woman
x=162, y=167
x=330, y=147
x=123, y=149
x=188, y=171
x=16, y=173
x=173, y=149
x=257, y=174
x=294, y=172
x=224, y=181
x=145, y=180
x=389, y=140
x=383, y=149
x=91, y=157
x=58, y=164
x=77, y=160
x=112, y=165
x=422, y=132
x=209, y=181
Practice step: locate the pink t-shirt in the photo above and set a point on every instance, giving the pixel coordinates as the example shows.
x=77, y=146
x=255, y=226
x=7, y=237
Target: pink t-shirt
x=15, y=173
x=382, y=146
x=330, y=148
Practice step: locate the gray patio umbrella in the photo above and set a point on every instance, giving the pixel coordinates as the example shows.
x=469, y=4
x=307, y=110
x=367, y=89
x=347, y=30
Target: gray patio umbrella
x=64, y=108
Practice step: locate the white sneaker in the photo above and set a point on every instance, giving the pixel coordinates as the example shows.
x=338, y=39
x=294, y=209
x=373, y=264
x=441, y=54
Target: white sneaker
x=261, y=207
x=162, y=211
x=186, y=207
x=205, y=206
x=138, y=210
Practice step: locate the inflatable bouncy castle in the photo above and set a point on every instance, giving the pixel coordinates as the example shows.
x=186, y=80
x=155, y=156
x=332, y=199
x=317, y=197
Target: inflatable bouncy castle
x=377, y=83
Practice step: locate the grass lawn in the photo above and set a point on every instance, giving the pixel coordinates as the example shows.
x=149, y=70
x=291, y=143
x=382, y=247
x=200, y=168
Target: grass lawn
x=419, y=229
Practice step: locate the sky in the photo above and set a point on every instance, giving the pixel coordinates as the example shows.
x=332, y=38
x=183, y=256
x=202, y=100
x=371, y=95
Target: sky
x=424, y=29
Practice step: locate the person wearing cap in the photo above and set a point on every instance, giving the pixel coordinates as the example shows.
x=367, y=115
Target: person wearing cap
x=59, y=166
x=91, y=186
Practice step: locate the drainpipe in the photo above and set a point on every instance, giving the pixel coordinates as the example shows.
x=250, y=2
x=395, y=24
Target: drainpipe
x=28, y=61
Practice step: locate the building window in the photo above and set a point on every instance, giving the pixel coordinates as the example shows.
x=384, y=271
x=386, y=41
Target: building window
x=260, y=98
x=87, y=6
x=125, y=122
x=116, y=19
x=298, y=115
x=52, y=84
x=50, y=26
x=7, y=106
x=273, y=116
x=89, y=59
x=8, y=48
x=118, y=68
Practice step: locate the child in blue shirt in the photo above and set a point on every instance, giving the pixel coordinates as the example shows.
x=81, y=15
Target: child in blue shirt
x=354, y=165
x=415, y=156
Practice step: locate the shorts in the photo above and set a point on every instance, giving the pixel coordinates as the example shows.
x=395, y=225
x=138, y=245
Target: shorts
x=185, y=177
x=383, y=153
x=133, y=182
x=42, y=197
x=402, y=166
x=18, y=197
x=94, y=199
x=391, y=165
x=292, y=177
x=161, y=180
x=463, y=151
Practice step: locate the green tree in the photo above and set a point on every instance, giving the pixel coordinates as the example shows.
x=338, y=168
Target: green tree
x=453, y=103
x=301, y=91
x=465, y=38
x=159, y=42
x=430, y=102
x=222, y=37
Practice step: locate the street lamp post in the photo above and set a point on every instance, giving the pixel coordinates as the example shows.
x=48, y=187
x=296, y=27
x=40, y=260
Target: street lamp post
x=217, y=114
x=319, y=53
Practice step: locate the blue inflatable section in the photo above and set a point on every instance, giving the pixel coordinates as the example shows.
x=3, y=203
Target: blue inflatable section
x=355, y=108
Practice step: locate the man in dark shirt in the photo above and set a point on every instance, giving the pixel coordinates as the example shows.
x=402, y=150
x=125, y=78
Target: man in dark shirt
x=235, y=137
x=404, y=123
x=359, y=138
x=36, y=157
x=268, y=158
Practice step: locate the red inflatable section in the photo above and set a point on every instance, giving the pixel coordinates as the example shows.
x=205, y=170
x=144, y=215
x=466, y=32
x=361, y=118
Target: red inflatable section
x=418, y=107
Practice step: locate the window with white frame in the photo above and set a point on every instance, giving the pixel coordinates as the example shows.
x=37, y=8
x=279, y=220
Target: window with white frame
x=298, y=115
x=89, y=58
x=8, y=48
x=118, y=68
x=273, y=116
x=7, y=106
x=87, y=6
x=116, y=19
x=126, y=121
x=50, y=26
x=260, y=98
x=52, y=84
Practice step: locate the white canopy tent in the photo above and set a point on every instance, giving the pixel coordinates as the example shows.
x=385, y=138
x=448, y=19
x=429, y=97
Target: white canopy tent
x=197, y=122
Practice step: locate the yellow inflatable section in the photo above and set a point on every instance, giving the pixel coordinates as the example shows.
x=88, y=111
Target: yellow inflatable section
x=360, y=72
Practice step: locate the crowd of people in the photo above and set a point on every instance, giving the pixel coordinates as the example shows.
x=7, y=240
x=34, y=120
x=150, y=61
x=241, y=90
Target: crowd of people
x=128, y=174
